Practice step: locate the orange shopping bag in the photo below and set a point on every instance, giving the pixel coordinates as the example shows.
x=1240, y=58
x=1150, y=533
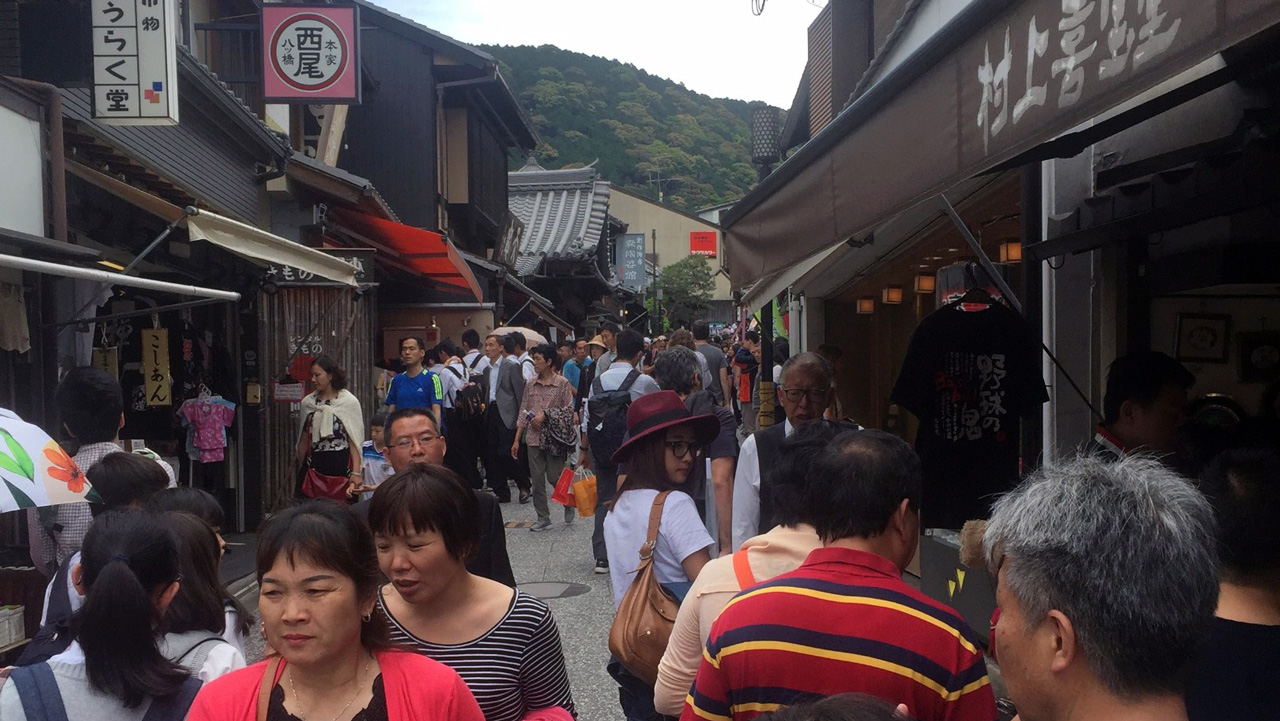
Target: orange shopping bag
x=584, y=492
x=564, y=488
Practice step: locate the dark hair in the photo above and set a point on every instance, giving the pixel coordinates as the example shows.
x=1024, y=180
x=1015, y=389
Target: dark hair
x=548, y=353
x=701, y=330
x=90, y=403
x=198, y=605
x=204, y=506
x=646, y=466
x=403, y=413
x=789, y=475
x=199, y=503
x=508, y=343
x=1140, y=377
x=629, y=344
x=330, y=366
x=378, y=420
x=126, y=558
x=446, y=347
x=682, y=338
x=857, y=482
x=330, y=535
x=782, y=350
x=471, y=338
x=841, y=707
x=518, y=338
x=122, y=479
x=753, y=336
x=1243, y=486
x=566, y=343
x=425, y=497
x=610, y=326
x=422, y=342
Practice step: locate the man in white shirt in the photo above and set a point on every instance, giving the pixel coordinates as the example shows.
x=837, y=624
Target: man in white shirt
x=803, y=388
x=473, y=357
x=609, y=334
x=521, y=356
x=467, y=439
x=453, y=374
x=630, y=345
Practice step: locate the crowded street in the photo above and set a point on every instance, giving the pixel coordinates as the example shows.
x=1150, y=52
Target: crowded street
x=747, y=360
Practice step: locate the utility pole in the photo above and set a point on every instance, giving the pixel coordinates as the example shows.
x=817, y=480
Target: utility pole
x=653, y=232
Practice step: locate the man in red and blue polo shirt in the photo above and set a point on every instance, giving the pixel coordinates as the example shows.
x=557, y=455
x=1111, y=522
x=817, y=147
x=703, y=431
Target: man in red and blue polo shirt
x=845, y=621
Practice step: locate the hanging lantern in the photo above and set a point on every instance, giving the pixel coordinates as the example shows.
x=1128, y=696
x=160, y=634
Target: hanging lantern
x=926, y=283
x=866, y=305
x=891, y=295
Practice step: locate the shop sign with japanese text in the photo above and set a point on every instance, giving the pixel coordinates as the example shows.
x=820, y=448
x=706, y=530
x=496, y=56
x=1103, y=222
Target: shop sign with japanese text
x=135, y=62
x=311, y=53
x=361, y=258
x=629, y=259
x=702, y=242
x=155, y=367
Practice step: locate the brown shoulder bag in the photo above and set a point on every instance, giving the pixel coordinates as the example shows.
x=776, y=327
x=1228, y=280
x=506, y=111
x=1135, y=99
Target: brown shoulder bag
x=647, y=614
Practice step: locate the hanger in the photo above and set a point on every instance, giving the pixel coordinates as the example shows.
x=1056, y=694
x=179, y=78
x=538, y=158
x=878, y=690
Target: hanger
x=205, y=393
x=976, y=294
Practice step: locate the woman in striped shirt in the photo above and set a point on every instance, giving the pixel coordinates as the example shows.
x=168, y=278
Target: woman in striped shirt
x=502, y=642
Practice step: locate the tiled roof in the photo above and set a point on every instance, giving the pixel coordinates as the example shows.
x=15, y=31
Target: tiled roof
x=564, y=213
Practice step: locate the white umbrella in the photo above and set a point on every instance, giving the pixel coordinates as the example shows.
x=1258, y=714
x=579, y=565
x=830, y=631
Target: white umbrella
x=531, y=337
x=36, y=470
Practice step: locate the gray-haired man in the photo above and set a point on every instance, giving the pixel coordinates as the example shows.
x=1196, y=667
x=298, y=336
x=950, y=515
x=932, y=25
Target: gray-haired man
x=1107, y=580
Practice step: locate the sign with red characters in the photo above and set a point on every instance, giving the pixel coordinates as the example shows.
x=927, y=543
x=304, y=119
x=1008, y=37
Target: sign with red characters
x=311, y=53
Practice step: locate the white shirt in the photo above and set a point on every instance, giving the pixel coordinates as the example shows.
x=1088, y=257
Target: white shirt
x=491, y=372
x=481, y=366
x=526, y=367
x=611, y=380
x=450, y=382
x=626, y=528
x=746, y=491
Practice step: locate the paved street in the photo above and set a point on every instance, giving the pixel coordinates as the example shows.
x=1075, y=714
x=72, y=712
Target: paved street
x=545, y=563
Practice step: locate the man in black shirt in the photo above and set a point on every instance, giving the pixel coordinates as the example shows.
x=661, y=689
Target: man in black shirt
x=1144, y=406
x=1238, y=676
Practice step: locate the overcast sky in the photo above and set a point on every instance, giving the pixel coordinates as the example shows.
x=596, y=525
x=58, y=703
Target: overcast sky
x=716, y=47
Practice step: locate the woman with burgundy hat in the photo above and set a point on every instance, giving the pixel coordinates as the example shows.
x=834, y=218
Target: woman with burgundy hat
x=664, y=440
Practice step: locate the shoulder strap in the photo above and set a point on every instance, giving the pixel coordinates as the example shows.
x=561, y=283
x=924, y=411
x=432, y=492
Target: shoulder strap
x=59, y=597
x=38, y=692
x=455, y=371
x=655, y=518
x=264, y=688
x=194, y=646
x=475, y=361
x=742, y=569
x=630, y=380
x=174, y=707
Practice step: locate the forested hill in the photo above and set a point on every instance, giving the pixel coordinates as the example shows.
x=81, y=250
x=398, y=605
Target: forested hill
x=587, y=108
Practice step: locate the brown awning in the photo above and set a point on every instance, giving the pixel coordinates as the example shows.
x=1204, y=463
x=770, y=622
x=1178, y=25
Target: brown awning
x=998, y=80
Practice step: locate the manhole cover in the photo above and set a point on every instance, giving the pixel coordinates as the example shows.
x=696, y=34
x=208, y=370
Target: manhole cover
x=554, y=589
x=519, y=524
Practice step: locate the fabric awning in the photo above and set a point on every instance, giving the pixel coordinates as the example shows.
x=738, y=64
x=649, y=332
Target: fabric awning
x=250, y=242
x=428, y=253
x=998, y=80
x=768, y=288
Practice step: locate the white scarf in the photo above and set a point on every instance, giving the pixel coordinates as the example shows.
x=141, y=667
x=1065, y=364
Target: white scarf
x=345, y=406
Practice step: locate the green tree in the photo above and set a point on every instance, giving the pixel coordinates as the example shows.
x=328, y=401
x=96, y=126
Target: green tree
x=686, y=287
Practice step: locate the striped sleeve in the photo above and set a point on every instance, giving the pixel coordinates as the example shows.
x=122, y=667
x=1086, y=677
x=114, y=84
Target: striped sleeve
x=709, y=698
x=544, y=682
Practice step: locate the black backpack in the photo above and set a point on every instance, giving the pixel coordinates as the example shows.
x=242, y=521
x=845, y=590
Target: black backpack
x=468, y=402
x=607, y=417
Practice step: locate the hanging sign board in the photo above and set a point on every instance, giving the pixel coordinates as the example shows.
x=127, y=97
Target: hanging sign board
x=311, y=54
x=135, y=62
x=108, y=359
x=361, y=258
x=155, y=367
x=629, y=259
x=702, y=242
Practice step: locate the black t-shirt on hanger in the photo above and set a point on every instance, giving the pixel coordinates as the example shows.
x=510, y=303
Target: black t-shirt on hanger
x=969, y=376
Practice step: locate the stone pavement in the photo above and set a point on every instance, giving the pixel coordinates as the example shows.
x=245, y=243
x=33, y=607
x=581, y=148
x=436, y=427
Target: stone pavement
x=556, y=566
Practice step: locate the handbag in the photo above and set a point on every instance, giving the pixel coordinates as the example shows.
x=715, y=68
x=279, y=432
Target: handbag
x=647, y=613
x=317, y=485
x=584, y=493
x=563, y=494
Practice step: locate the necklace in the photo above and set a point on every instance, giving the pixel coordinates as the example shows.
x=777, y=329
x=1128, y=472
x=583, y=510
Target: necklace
x=359, y=687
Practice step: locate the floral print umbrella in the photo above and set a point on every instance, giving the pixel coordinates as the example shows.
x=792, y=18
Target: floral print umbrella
x=35, y=470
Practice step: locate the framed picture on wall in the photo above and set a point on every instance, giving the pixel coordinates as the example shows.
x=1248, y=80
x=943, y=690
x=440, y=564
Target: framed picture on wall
x=1202, y=337
x=1259, y=356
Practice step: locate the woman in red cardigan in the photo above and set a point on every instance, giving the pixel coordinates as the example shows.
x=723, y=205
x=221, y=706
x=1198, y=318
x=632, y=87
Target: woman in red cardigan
x=318, y=574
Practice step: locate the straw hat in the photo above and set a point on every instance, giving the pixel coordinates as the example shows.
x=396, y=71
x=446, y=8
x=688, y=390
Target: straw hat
x=655, y=413
x=598, y=341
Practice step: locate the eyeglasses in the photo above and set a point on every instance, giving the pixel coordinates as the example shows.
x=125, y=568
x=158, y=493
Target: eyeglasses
x=425, y=439
x=683, y=448
x=796, y=394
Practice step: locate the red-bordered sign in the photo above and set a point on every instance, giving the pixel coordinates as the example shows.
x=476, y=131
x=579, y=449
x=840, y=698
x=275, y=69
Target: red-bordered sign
x=311, y=53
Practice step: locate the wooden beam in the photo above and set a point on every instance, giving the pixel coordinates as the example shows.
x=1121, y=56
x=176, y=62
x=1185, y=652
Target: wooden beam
x=331, y=130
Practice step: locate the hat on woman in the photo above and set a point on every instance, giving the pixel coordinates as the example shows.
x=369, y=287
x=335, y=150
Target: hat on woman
x=655, y=413
x=598, y=341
